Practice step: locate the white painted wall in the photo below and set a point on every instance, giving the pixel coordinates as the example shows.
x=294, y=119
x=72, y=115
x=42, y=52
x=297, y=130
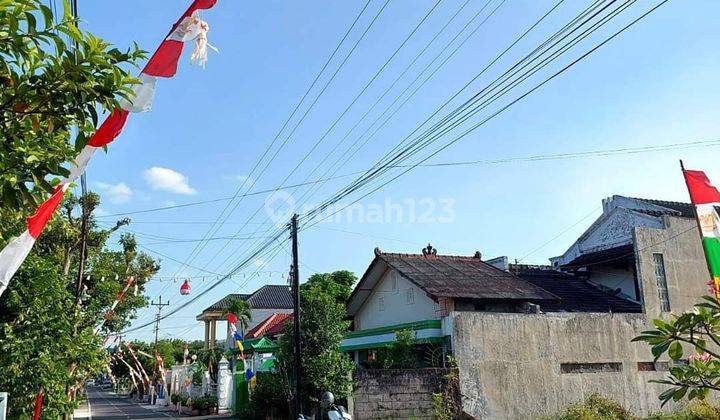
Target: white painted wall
x=388, y=304
x=614, y=278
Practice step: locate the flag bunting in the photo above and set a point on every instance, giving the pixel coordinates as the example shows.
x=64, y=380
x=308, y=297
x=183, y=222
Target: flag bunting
x=163, y=63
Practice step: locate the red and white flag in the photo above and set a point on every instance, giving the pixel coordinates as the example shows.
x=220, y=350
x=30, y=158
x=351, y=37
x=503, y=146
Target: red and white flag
x=162, y=64
x=14, y=253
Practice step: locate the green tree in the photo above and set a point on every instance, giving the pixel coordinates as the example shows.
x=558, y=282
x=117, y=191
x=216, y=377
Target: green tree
x=695, y=336
x=338, y=284
x=242, y=310
x=45, y=339
x=322, y=325
x=47, y=89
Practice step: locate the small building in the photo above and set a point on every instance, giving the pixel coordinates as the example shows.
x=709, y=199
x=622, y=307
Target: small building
x=530, y=340
x=419, y=291
x=266, y=301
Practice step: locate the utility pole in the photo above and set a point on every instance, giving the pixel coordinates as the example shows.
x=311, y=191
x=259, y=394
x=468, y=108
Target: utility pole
x=83, y=199
x=159, y=306
x=297, y=404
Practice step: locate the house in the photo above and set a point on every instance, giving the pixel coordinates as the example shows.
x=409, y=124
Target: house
x=644, y=250
x=419, y=291
x=547, y=336
x=265, y=302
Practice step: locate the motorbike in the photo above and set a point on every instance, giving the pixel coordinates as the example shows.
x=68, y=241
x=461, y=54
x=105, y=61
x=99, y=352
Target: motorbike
x=334, y=412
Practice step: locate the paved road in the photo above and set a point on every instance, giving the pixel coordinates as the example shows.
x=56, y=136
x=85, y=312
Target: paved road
x=106, y=406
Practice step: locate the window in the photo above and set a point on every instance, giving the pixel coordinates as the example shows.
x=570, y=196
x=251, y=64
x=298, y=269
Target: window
x=590, y=367
x=410, y=296
x=653, y=366
x=394, y=283
x=661, y=279
x=381, y=303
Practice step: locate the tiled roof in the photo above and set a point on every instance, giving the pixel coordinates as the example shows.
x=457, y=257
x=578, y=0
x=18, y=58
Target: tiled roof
x=685, y=209
x=576, y=295
x=271, y=296
x=267, y=326
x=618, y=253
x=279, y=327
x=462, y=277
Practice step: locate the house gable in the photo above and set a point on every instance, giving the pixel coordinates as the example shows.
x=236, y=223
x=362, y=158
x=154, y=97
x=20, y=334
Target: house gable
x=394, y=300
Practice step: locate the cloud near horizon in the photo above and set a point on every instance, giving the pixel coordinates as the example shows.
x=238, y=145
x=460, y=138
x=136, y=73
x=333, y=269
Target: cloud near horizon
x=165, y=179
x=117, y=193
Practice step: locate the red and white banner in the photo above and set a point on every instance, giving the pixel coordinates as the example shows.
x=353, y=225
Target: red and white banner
x=115, y=303
x=162, y=64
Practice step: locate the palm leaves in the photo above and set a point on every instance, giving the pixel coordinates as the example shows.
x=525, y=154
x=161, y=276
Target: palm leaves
x=243, y=312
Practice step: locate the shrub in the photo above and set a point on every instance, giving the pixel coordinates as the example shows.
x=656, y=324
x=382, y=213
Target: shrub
x=596, y=408
x=199, y=403
x=211, y=400
x=268, y=397
x=696, y=410
x=175, y=398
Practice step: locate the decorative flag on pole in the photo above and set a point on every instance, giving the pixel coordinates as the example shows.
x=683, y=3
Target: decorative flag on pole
x=706, y=199
x=114, y=305
x=162, y=64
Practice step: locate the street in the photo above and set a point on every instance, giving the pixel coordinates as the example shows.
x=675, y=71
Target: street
x=104, y=405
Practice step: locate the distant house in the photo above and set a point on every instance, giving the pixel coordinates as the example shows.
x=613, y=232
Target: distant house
x=529, y=340
x=265, y=301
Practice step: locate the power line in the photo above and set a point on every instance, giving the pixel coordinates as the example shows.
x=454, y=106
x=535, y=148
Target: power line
x=344, y=112
x=195, y=252
x=336, y=166
x=364, y=180
x=532, y=158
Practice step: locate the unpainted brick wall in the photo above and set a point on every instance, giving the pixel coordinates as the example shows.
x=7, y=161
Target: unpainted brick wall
x=397, y=393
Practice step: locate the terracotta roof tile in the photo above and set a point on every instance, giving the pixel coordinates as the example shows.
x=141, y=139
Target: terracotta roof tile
x=463, y=277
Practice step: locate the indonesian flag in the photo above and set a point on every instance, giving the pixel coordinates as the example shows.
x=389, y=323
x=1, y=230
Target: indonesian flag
x=14, y=253
x=706, y=199
x=162, y=64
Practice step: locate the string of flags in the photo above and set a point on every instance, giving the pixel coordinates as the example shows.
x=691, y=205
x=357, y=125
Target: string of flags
x=163, y=63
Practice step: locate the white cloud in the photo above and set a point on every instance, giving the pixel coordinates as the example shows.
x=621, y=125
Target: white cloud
x=260, y=263
x=117, y=193
x=166, y=179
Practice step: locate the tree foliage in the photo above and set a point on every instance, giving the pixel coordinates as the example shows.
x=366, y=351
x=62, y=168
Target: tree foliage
x=45, y=338
x=242, y=310
x=400, y=354
x=338, y=284
x=693, y=336
x=48, y=89
x=322, y=325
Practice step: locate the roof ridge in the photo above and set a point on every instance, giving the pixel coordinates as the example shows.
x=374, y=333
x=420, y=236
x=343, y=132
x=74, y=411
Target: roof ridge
x=655, y=200
x=400, y=254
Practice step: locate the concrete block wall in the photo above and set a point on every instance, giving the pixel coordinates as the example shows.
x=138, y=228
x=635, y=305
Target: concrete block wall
x=396, y=393
x=522, y=366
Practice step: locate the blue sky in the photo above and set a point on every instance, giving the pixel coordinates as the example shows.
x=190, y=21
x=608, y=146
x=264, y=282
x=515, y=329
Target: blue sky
x=654, y=85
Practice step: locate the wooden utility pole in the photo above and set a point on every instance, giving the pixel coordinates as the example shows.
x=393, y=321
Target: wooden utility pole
x=159, y=306
x=297, y=403
x=83, y=202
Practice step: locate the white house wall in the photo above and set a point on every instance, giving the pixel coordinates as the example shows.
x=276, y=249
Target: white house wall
x=388, y=304
x=615, y=278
